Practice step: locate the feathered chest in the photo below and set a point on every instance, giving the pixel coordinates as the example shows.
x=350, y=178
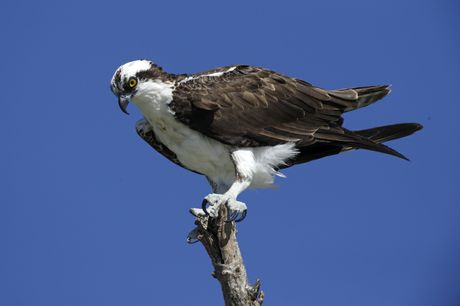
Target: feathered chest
x=193, y=149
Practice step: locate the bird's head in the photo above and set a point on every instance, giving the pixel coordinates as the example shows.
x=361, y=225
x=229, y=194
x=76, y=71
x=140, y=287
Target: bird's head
x=131, y=78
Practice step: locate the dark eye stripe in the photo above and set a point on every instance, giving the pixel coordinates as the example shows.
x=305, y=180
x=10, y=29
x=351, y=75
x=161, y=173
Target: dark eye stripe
x=117, y=79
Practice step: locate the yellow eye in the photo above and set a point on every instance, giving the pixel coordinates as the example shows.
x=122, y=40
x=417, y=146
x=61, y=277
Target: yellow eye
x=132, y=83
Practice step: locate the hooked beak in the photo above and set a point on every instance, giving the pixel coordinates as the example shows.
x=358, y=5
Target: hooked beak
x=123, y=102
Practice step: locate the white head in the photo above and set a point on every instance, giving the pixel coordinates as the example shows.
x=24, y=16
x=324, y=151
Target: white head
x=128, y=80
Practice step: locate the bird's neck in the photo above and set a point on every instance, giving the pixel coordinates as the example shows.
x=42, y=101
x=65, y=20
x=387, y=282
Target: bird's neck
x=153, y=98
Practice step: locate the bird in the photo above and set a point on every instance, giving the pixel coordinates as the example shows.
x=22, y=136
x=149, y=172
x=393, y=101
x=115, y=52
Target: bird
x=240, y=125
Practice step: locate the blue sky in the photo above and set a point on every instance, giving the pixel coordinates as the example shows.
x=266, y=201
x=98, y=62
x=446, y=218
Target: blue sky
x=90, y=215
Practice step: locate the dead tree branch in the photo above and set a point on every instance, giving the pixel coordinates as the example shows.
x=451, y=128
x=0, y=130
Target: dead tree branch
x=219, y=239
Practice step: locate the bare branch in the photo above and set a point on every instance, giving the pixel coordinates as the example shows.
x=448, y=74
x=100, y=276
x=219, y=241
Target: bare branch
x=219, y=239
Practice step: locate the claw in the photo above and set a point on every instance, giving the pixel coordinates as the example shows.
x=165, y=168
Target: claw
x=236, y=216
x=231, y=216
x=236, y=211
x=243, y=215
x=203, y=206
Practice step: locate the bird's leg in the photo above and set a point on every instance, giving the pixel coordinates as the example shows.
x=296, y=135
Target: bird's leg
x=244, y=169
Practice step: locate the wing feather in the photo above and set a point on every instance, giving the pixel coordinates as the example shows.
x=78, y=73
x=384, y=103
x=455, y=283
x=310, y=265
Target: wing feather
x=250, y=106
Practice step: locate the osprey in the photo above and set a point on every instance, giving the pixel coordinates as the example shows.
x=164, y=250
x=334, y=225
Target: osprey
x=240, y=125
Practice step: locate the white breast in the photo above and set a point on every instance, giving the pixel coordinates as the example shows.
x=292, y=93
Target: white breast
x=194, y=150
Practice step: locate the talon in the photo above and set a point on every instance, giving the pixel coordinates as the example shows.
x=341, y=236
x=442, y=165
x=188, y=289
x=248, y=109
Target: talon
x=236, y=216
x=237, y=210
x=243, y=215
x=211, y=204
x=231, y=216
x=203, y=206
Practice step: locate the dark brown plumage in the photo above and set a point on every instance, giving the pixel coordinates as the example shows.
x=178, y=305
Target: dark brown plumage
x=249, y=106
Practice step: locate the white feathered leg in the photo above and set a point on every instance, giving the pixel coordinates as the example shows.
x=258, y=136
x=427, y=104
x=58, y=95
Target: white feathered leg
x=244, y=162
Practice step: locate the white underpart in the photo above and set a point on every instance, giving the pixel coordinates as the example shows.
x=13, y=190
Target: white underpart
x=206, y=155
x=215, y=74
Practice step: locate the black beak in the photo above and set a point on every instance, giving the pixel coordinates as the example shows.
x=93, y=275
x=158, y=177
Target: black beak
x=123, y=102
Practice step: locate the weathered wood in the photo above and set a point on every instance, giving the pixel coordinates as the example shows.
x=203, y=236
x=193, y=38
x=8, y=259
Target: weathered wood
x=219, y=239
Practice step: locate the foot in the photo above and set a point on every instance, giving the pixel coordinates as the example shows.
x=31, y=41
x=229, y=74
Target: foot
x=236, y=210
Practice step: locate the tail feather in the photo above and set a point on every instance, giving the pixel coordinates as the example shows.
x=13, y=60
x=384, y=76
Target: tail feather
x=352, y=140
x=381, y=134
x=361, y=96
x=368, y=144
x=369, y=139
x=390, y=132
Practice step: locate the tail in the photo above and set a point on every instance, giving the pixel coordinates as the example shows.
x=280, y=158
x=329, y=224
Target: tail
x=370, y=139
x=381, y=134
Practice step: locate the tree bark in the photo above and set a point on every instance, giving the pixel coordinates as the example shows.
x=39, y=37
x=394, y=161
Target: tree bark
x=218, y=237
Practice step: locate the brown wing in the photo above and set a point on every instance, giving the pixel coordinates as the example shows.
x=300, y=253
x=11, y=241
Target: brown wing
x=250, y=106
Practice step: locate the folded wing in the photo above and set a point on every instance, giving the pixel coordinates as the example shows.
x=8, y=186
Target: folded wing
x=247, y=106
